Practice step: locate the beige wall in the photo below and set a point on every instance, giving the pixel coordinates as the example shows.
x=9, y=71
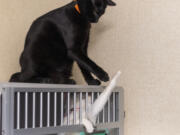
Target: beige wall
x=140, y=37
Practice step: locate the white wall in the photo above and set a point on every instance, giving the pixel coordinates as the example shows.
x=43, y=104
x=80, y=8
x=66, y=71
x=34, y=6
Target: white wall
x=140, y=37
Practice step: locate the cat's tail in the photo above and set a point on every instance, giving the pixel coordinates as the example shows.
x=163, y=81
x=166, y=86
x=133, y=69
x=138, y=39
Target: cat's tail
x=15, y=77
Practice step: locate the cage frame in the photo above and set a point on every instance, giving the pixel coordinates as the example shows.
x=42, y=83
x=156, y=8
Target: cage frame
x=7, y=92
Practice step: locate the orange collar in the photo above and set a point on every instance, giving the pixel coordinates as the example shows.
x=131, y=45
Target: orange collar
x=77, y=7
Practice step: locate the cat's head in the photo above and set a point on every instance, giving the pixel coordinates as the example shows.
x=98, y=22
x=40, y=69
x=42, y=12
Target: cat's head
x=94, y=9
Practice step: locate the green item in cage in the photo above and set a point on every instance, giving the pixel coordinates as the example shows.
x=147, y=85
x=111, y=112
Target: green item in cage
x=100, y=132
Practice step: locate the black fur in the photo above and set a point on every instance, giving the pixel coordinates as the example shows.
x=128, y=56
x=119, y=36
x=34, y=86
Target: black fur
x=57, y=39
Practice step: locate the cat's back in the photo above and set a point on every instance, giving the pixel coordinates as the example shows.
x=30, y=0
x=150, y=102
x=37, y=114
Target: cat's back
x=54, y=13
x=55, y=18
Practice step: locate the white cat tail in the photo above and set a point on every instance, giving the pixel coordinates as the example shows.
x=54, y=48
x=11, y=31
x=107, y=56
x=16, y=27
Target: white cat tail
x=99, y=104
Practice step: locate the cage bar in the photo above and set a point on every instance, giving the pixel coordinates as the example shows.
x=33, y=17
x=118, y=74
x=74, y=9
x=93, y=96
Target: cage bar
x=18, y=110
x=86, y=102
x=55, y=108
x=92, y=97
x=48, y=109
x=80, y=108
x=34, y=109
x=114, y=107
x=103, y=115
x=41, y=109
x=109, y=112
x=74, y=109
x=68, y=109
x=62, y=108
x=26, y=110
x=98, y=114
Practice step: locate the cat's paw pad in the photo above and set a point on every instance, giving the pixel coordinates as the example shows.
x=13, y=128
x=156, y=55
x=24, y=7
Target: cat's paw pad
x=94, y=82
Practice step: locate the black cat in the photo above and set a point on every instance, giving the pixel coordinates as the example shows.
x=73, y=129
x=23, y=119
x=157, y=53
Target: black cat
x=57, y=39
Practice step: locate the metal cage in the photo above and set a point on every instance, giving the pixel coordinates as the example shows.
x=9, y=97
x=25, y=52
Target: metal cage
x=42, y=109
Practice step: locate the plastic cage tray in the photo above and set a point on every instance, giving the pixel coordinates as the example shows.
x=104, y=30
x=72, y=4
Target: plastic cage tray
x=43, y=109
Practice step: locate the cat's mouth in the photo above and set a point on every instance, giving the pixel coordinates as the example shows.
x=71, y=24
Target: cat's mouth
x=95, y=17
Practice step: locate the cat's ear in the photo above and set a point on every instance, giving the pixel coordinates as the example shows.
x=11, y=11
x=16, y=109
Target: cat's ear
x=111, y=3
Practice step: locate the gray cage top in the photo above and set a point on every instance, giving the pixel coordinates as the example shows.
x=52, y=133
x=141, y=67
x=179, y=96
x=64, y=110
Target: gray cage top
x=41, y=109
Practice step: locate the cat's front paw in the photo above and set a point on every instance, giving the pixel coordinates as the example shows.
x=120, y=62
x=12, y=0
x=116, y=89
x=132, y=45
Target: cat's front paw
x=103, y=76
x=94, y=82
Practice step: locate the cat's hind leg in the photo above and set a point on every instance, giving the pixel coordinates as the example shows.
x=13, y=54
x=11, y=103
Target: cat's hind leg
x=15, y=77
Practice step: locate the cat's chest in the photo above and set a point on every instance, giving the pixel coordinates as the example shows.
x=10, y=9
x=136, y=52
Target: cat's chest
x=82, y=35
x=83, y=30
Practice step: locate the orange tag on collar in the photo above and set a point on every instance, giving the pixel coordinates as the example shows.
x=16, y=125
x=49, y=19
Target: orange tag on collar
x=77, y=7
